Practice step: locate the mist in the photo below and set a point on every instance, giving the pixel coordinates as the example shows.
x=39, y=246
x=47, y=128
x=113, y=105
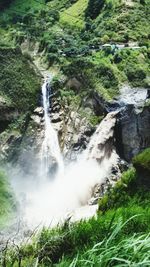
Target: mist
x=48, y=196
x=49, y=202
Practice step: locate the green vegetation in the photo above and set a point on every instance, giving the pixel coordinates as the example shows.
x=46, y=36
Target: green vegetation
x=94, y=7
x=74, y=15
x=18, y=80
x=142, y=164
x=21, y=6
x=65, y=31
x=134, y=185
x=7, y=203
x=70, y=35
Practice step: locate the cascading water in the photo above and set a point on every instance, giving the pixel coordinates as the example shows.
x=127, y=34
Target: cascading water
x=54, y=201
x=51, y=153
x=50, y=201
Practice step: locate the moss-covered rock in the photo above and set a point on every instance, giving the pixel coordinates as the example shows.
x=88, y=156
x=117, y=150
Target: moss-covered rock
x=142, y=164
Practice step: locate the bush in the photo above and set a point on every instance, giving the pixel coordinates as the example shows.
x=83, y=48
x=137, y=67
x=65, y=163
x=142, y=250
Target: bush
x=142, y=163
x=121, y=193
x=106, y=73
x=94, y=7
x=52, y=58
x=135, y=74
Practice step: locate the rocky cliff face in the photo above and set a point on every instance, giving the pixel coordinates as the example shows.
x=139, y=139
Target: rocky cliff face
x=133, y=131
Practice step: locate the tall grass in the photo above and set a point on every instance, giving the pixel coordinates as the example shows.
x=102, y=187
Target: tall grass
x=110, y=240
x=130, y=251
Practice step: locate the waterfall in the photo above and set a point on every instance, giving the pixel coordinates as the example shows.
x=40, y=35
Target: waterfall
x=52, y=202
x=51, y=154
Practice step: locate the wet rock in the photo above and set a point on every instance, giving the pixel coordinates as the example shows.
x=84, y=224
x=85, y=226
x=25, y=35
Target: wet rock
x=148, y=93
x=36, y=119
x=57, y=117
x=39, y=111
x=100, y=106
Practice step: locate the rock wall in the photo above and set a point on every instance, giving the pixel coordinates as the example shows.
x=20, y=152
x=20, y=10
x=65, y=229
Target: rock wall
x=132, y=131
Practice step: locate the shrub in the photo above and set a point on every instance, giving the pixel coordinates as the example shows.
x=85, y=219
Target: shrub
x=135, y=74
x=52, y=58
x=142, y=163
x=107, y=75
x=121, y=193
x=94, y=7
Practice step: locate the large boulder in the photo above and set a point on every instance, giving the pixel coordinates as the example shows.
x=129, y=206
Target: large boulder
x=133, y=131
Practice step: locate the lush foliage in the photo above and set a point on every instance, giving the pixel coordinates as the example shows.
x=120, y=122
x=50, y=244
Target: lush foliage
x=142, y=164
x=94, y=7
x=7, y=203
x=134, y=183
x=64, y=33
x=18, y=80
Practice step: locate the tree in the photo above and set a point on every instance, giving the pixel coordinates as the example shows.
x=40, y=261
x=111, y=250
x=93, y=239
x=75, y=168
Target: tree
x=94, y=7
x=142, y=2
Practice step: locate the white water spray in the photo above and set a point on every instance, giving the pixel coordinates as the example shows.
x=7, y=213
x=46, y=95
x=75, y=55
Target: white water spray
x=50, y=202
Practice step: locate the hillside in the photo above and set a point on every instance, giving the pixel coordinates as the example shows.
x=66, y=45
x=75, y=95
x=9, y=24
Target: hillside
x=65, y=32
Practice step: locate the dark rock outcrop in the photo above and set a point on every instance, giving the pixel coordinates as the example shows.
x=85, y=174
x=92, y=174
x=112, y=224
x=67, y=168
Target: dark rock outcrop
x=132, y=131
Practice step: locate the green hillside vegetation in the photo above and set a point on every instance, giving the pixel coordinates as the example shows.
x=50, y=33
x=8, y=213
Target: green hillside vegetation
x=65, y=32
x=74, y=15
x=18, y=80
x=7, y=202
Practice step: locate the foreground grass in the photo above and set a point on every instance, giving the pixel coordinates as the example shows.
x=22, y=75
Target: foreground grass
x=120, y=237
x=132, y=251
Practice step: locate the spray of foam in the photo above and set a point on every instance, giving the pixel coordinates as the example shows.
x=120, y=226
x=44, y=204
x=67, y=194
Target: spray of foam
x=49, y=201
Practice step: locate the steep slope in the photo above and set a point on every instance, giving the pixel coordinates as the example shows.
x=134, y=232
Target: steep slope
x=18, y=81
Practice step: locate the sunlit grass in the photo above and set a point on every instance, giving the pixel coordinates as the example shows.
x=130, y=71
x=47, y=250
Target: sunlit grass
x=74, y=16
